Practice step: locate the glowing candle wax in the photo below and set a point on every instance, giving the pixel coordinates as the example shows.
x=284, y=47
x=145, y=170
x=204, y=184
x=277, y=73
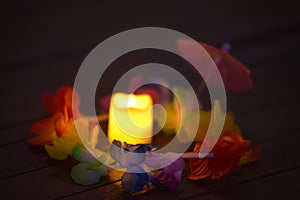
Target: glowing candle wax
x=130, y=118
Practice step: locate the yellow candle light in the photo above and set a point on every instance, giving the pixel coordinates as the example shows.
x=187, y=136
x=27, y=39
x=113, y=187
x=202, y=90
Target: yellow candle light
x=130, y=118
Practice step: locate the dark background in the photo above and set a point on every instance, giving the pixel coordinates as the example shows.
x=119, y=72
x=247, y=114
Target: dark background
x=44, y=43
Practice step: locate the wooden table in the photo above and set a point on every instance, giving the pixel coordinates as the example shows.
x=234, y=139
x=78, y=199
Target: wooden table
x=43, y=45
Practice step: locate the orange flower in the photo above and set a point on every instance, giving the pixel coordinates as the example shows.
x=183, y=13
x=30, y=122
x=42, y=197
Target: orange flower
x=60, y=106
x=62, y=102
x=230, y=154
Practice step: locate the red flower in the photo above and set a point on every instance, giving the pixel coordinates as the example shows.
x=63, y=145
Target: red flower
x=60, y=106
x=230, y=153
x=62, y=102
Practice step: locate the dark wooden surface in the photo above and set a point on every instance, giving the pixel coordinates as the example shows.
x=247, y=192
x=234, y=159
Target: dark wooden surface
x=43, y=45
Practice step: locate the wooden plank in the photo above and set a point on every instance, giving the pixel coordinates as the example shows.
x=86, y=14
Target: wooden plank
x=260, y=124
x=271, y=88
x=18, y=158
x=23, y=89
x=254, y=129
x=16, y=83
x=13, y=134
x=262, y=97
x=52, y=178
x=272, y=161
x=48, y=30
x=29, y=84
x=284, y=185
x=31, y=87
x=40, y=162
x=21, y=158
x=265, y=126
x=48, y=183
x=268, y=49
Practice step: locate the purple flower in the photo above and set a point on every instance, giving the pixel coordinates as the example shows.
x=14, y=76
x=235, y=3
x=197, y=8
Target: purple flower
x=132, y=182
x=170, y=176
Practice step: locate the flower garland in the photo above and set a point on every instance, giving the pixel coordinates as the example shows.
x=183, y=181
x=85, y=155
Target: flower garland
x=60, y=138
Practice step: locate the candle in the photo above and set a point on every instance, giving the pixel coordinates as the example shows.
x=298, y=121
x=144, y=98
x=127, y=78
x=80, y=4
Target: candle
x=130, y=118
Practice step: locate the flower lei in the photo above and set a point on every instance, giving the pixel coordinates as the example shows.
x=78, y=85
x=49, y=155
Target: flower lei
x=60, y=139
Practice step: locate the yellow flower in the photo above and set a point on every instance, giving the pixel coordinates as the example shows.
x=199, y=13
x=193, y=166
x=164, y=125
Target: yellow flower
x=174, y=117
x=205, y=117
x=62, y=146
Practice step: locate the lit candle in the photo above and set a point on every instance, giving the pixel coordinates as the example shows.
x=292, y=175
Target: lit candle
x=130, y=118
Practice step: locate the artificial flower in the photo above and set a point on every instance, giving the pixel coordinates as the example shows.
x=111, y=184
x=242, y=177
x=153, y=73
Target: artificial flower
x=83, y=174
x=44, y=130
x=230, y=153
x=182, y=106
x=205, y=118
x=90, y=169
x=191, y=116
x=235, y=75
x=169, y=122
x=82, y=155
x=62, y=146
x=170, y=176
x=250, y=156
x=134, y=182
x=138, y=182
x=62, y=102
x=121, y=153
x=136, y=179
x=60, y=107
x=170, y=167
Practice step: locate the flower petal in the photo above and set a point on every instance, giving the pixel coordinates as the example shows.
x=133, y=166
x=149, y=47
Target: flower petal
x=134, y=182
x=81, y=154
x=250, y=156
x=44, y=130
x=228, y=151
x=56, y=153
x=83, y=176
x=170, y=176
x=62, y=102
x=63, y=145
